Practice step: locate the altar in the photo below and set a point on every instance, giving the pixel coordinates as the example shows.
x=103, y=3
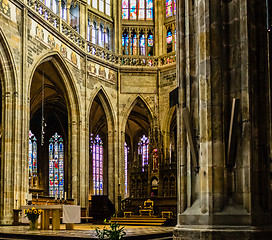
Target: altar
x=71, y=215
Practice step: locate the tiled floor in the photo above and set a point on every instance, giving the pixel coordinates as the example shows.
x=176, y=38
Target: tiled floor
x=85, y=230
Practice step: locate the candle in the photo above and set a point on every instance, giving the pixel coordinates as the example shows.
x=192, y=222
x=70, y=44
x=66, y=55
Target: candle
x=37, y=196
x=65, y=195
x=55, y=197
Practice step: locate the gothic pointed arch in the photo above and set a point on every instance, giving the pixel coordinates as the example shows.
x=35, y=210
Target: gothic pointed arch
x=55, y=111
x=101, y=141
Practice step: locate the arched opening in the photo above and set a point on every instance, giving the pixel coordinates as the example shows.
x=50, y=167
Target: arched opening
x=137, y=139
x=49, y=125
x=98, y=132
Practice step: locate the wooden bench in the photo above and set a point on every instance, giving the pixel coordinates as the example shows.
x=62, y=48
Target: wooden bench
x=128, y=214
x=168, y=214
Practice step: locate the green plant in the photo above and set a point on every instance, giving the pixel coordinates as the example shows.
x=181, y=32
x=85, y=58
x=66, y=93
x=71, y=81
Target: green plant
x=115, y=232
x=32, y=214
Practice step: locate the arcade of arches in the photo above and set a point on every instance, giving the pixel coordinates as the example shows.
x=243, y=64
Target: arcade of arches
x=85, y=111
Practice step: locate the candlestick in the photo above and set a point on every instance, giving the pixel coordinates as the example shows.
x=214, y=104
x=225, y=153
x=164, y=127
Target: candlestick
x=65, y=196
x=37, y=196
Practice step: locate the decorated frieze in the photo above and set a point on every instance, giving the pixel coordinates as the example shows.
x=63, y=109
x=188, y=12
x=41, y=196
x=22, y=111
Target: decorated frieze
x=51, y=42
x=102, y=72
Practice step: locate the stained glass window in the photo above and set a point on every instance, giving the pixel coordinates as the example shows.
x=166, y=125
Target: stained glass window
x=125, y=9
x=32, y=160
x=149, y=9
x=169, y=39
x=126, y=169
x=133, y=9
x=125, y=41
x=150, y=40
x=143, y=150
x=175, y=39
x=142, y=44
x=141, y=9
x=56, y=166
x=97, y=157
x=170, y=8
x=107, y=39
x=137, y=9
x=134, y=44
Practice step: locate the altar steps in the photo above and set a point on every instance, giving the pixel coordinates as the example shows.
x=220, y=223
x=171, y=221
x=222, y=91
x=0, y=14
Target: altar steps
x=139, y=221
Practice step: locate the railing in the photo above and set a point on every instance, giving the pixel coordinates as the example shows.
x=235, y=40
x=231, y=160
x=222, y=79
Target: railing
x=45, y=12
x=139, y=61
x=102, y=53
x=168, y=58
x=72, y=34
x=124, y=60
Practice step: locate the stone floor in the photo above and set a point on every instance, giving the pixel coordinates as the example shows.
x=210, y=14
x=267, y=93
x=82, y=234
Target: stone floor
x=82, y=231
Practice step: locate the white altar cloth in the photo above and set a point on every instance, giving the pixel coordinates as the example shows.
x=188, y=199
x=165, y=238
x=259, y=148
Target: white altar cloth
x=71, y=214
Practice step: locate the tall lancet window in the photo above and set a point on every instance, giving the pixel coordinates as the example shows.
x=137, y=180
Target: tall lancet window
x=170, y=8
x=97, y=155
x=56, y=166
x=32, y=160
x=126, y=169
x=143, y=150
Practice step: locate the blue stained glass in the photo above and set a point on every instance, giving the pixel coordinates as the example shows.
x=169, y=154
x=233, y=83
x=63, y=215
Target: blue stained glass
x=149, y=9
x=142, y=44
x=32, y=159
x=133, y=10
x=150, y=40
x=56, y=166
x=169, y=37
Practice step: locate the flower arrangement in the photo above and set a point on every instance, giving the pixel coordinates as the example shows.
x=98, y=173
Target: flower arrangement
x=33, y=215
x=115, y=232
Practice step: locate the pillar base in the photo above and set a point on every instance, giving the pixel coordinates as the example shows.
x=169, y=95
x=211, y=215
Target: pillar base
x=207, y=232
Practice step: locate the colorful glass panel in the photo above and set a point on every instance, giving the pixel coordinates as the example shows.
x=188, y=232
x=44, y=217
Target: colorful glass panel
x=144, y=142
x=150, y=40
x=134, y=45
x=125, y=9
x=133, y=9
x=56, y=166
x=149, y=9
x=126, y=169
x=141, y=9
x=32, y=159
x=97, y=157
x=169, y=37
x=169, y=12
x=94, y=33
x=142, y=44
x=125, y=41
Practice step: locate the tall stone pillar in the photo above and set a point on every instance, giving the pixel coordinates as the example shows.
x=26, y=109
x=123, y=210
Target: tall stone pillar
x=218, y=46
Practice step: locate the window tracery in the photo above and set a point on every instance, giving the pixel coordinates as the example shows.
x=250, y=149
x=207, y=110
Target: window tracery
x=137, y=9
x=136, y=41
x=170, y=6
x=97, y=158
x=32, y=160
x=56, y=166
